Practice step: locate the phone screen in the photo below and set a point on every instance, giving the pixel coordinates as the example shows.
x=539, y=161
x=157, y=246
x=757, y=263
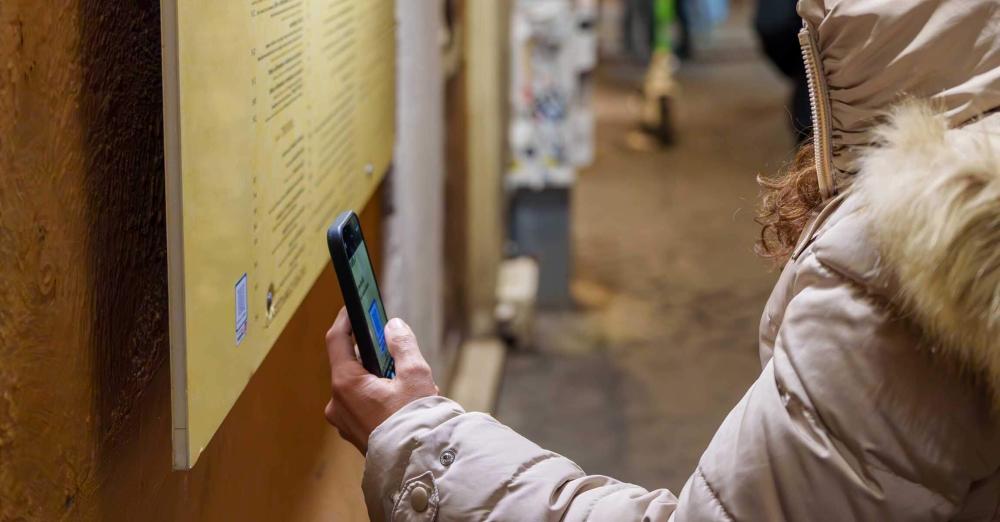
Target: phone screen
x=364, y=281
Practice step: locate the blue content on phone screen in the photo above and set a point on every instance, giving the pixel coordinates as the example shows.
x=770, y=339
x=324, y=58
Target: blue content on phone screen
x=364, y=279
x=376, y=321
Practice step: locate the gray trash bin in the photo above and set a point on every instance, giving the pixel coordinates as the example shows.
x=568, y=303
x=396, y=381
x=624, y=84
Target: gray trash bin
x=539, y=227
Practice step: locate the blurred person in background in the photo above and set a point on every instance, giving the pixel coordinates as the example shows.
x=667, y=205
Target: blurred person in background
x=879, y=397
x=642, y=27
x=778, y=24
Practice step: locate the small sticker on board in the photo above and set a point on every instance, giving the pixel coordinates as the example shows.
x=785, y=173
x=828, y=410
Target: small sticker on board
x=241, y=309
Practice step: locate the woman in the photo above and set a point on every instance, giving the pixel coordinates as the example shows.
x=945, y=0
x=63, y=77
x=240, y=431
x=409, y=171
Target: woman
x=879, y=397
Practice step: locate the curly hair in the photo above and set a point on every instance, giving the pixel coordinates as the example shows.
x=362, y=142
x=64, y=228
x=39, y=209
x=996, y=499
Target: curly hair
x=791, y=198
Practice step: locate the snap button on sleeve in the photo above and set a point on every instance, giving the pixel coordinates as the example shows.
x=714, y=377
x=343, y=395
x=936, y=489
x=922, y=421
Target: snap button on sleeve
x=418, y=499
x=447, y=458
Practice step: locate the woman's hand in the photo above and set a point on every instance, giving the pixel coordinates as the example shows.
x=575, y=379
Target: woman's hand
x=361, y=401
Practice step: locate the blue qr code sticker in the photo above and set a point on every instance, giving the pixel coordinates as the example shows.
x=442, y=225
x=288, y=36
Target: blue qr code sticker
x=241, y=309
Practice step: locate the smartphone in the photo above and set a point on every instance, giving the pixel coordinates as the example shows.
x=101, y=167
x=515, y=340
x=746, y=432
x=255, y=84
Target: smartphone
x=361, y=294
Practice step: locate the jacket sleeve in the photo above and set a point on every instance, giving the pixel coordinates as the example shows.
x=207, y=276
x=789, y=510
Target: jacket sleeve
x=835, y=428
x=849, y=420
x=433, y=461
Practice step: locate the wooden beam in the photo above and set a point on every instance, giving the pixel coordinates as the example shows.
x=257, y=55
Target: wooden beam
x=486, y=43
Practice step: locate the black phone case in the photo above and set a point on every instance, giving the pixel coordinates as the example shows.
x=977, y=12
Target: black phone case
x=355, y=309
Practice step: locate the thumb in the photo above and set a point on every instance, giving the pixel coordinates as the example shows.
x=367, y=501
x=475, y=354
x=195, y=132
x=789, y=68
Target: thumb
x=403, y=347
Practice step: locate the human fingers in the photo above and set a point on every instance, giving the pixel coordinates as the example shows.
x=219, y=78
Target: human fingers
x=339, y=342
x=404, y=349
x=348, y=427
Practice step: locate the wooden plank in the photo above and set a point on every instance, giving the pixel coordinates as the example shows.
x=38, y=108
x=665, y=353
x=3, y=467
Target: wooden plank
x=477, y=377
x=485, y=39
x=455, y=187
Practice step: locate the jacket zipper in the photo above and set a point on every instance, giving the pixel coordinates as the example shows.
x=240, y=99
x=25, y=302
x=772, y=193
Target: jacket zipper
x=819, y=104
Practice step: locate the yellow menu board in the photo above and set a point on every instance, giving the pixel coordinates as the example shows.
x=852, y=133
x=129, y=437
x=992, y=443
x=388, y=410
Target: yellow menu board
x=278, y=115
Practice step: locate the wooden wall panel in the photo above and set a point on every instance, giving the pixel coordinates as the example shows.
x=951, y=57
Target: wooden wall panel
x=456, y=176
x=84, y=386
x=46, y=430
x=273, y=458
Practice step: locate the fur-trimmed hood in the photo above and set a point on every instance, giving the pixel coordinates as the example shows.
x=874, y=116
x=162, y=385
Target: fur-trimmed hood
x=930, y=179
x=933, y=199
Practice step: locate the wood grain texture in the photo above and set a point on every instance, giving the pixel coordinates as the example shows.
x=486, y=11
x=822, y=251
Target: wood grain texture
x=84, y=388
x=46, y=427
x=121, y=109
x=273, y=458
x=456, y=179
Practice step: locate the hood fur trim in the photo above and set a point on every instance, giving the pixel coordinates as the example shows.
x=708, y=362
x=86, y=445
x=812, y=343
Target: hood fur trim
x=934, y=197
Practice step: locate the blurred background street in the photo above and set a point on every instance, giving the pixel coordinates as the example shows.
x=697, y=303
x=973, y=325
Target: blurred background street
x=662, y=342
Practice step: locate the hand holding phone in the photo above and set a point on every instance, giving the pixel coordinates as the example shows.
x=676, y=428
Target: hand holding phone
x=360, y=401
x=361, y=294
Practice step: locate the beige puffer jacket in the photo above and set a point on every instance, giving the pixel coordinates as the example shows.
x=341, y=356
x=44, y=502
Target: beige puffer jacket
x=880, y=345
